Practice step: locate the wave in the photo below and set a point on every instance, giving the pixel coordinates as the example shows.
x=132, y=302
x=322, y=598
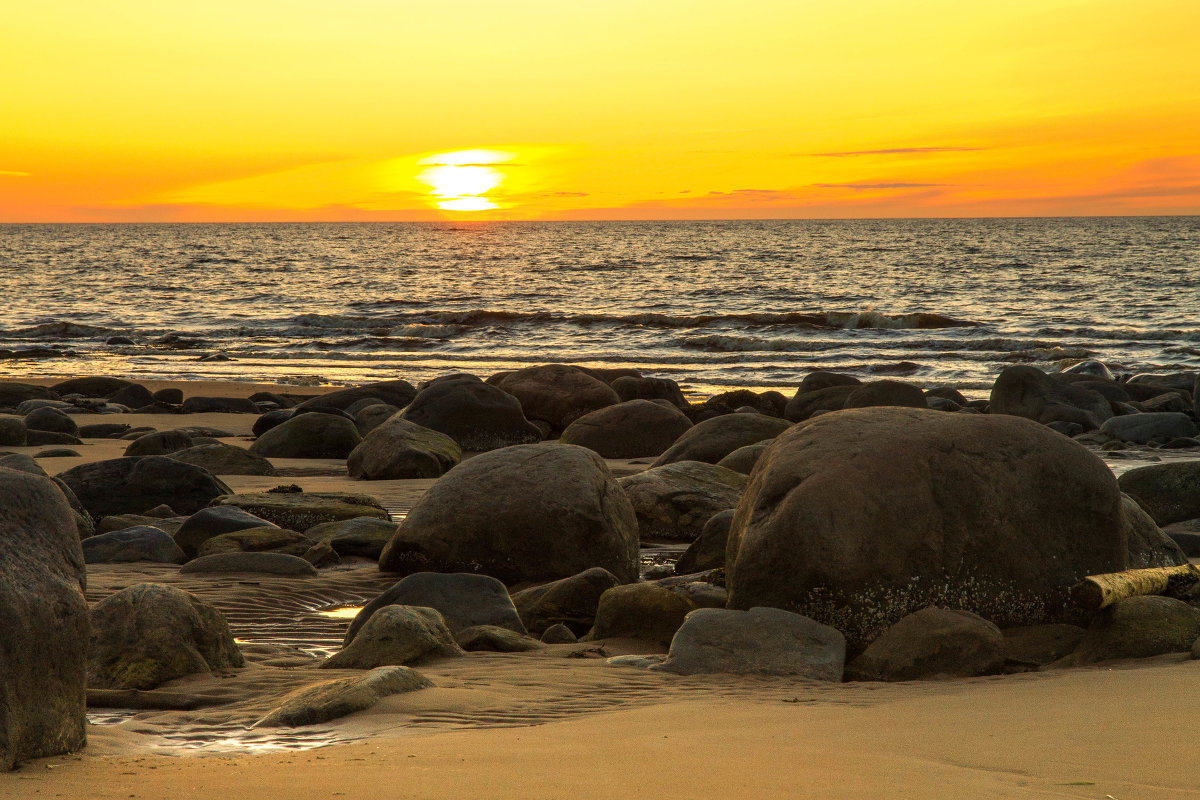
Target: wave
x=56, y=329
x=1124, y=334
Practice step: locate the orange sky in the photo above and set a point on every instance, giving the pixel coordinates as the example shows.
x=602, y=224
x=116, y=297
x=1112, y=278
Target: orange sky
x=137, y=110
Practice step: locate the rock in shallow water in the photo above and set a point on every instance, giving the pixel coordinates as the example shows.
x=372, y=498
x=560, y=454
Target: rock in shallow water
x=139, y=543
x=313, y=705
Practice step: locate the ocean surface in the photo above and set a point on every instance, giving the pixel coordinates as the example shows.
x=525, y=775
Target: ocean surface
x=713, y=305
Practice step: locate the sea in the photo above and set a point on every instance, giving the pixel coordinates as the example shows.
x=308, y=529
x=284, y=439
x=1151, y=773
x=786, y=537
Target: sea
x=713, y=305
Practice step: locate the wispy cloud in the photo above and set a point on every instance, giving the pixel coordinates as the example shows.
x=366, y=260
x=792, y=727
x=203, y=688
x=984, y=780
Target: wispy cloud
x=862, y=186
x=12, y=173
x=897, y=151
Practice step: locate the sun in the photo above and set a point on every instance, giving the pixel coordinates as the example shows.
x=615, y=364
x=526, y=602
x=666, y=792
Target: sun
x=461, y=180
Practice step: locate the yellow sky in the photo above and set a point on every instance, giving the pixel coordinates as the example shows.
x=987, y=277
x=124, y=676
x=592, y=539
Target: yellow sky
x=306, y=110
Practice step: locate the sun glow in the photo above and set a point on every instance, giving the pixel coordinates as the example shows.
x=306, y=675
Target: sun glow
x=461, y=180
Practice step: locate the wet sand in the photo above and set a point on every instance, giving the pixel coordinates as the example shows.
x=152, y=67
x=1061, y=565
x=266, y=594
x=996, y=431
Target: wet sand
x=560, y=722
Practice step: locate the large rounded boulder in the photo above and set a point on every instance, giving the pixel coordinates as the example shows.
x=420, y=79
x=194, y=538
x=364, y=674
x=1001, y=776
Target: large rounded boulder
x=311, y=435
x=43, y=622
x=633, y=429
x=533, y=512
x=399, y=449
x=477, y=415
x=713, y=439
x=133, y=485
x=675, y=501
x=558, y=394
x=860, y=517
x=1026, y=391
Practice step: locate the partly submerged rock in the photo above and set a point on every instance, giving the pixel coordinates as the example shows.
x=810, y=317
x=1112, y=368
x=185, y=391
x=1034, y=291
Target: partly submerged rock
x=331, y=700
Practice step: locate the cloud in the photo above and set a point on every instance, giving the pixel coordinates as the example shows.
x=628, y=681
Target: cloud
x=564, y=194
x=863, y=186
x=898, y=151
x=755, y=195
x=12, y=173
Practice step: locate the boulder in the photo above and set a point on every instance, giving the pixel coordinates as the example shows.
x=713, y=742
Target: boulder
x=133, y=396
x=860, y=517
x=90, y=386
x=398, y=449
x=633, y=429
x=12, y=431
x=219, y=405
x=13, y=394
x=159, y=443
x=132, y=485
x=642, y=611
x=494, y=639
x=1169, y=492
x=169, y=395
x=708, y=551
x=257, y=540
x=476, y=415
x=1026, y=391
x=464, y=600
x=559, y=634
x=805, y=404
x=225, y=459
x=761, y=641
x=263, y=563
x=119, y=522
x=148, y=634
x=300, y=511
x=1146, y=428
x=372, y=416
x=1148, y=545
x=313, y=705
x=932, y=643
x=641, y=388
x=1033, y=646
x=50, y=419
x=35, y=438
x=531, y=512
x=820, y=379
x=364, y=537
x=398, y=393
x=744, y=458
x=397, y=635
x=1139, y=627
x=308, y=436
x=713, y=439
x=557, y=393
x=43, y=622
x=271, y=419
x=209, y=522
x=569, y=602
x=22, y=463
x=886, y=393
x=674, y=501
x=140, y=543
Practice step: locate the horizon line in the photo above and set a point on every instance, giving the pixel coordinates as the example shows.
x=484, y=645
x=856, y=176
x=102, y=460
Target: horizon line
x=629, y=219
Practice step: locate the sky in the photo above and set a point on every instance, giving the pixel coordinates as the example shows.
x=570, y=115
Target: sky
x=256, y=110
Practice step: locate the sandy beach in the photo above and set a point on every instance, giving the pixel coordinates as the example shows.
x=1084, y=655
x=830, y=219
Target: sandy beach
x=561, y=722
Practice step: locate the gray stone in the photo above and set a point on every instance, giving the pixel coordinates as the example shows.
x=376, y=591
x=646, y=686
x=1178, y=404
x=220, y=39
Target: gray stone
x=713, y=439
x=557, y=393
x=1146, y=428
x=257, y=540
x=632, y=429
x=708, y=551
x=641, y=388
x=397, y=635
x=308, y=436
x=674, y=501
x=641, y=611
x=477, y=415
x=225, y=459
x=148, y=634
x=132, y=485
x=886, y=393
x=364, y=537
x=50, y=419
x=559, y=633
x=1168, y=492
x=1148, y=545
x=141, y=543
x=219, y=405
x=464, y=600
x=43, y=622
x=932, y=643
x=1032, y=646
x=525, y=513
x=1026, y=391
x=398, y=449
x=398, y=393
x=159, y=443
x=744, y=458
x=1139, y=627
x=570, y=602
x=265, y=563
x=805, y=404
x=300, y=511
x=12, y=431
x=761, y=641
x=373, y=415
x=313, y=705
x=492, y=638
x=209, y=522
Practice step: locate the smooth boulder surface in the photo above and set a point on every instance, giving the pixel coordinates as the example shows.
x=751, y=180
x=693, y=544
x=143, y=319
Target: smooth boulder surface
x=886, y=393
x=713, y=439
x=159, y=443
x=132, y=485
x=50, y=419
x=644, y=611
x=264, y=563
x=1034, y=646
x=219, y=405
x=1168, y=492
x=1139, y=627
x=364, y=537
x=761, y=641
x=372, y=416
x=43, y=622
x=744, y=458
x=632, y=429
x=13, y=394
x=806, y=403
x=860, y=517
x=708, y=551
x=570, y=602
x=148, y=634
x=1025, y=391
x=530, y=512
x=313, y=435
x=140, y=543
x=398, y=449
x=629, y=387
x=398, y=393
x=225, y=459
x=12, y=432
x=331, y=700
x=257, y=540
x=558, y=394
x=300, y=511
x=1148, y=545
x=675, y=501
x=494, y=639
x=478, y=416
x=209, y=522
x=397, y=635
x=463, y=599
x=932, y=643
x=1145, y=428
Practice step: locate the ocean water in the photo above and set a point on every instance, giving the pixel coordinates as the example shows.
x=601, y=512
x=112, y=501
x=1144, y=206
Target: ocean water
x=714, y=305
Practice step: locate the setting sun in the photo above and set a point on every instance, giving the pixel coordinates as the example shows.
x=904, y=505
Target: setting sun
x=461, y=179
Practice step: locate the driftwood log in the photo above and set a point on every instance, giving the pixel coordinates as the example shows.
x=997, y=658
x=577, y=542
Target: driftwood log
x=1098, y=591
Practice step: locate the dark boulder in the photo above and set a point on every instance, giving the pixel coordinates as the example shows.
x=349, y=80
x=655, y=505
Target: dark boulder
x=225, y=459
x=631, y=388
x=1148, y=545
x=633, y=429
x=1149, y=427
x=159, y=443
x=300, y=511
x=398, y=635
x=308, y=436
x=463, y=599
x=259, y=563
x=557, y=393
x=220, y=405
x=12, y=432
x=398, y=393
x=209, y=522
x=364, y=537
x=140, y=543
x=132, y=485
x=1139, y=627
x=674, y=501
x=805, y=404
x=399, y=449
x=570, y=601
x=1169, y=492
x=932, y=643
x=477, y=415
x=713, y=439
x=52, y=420
x=886, y=393
x=708, y=551
x=643, y=611
x=1025, y=391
